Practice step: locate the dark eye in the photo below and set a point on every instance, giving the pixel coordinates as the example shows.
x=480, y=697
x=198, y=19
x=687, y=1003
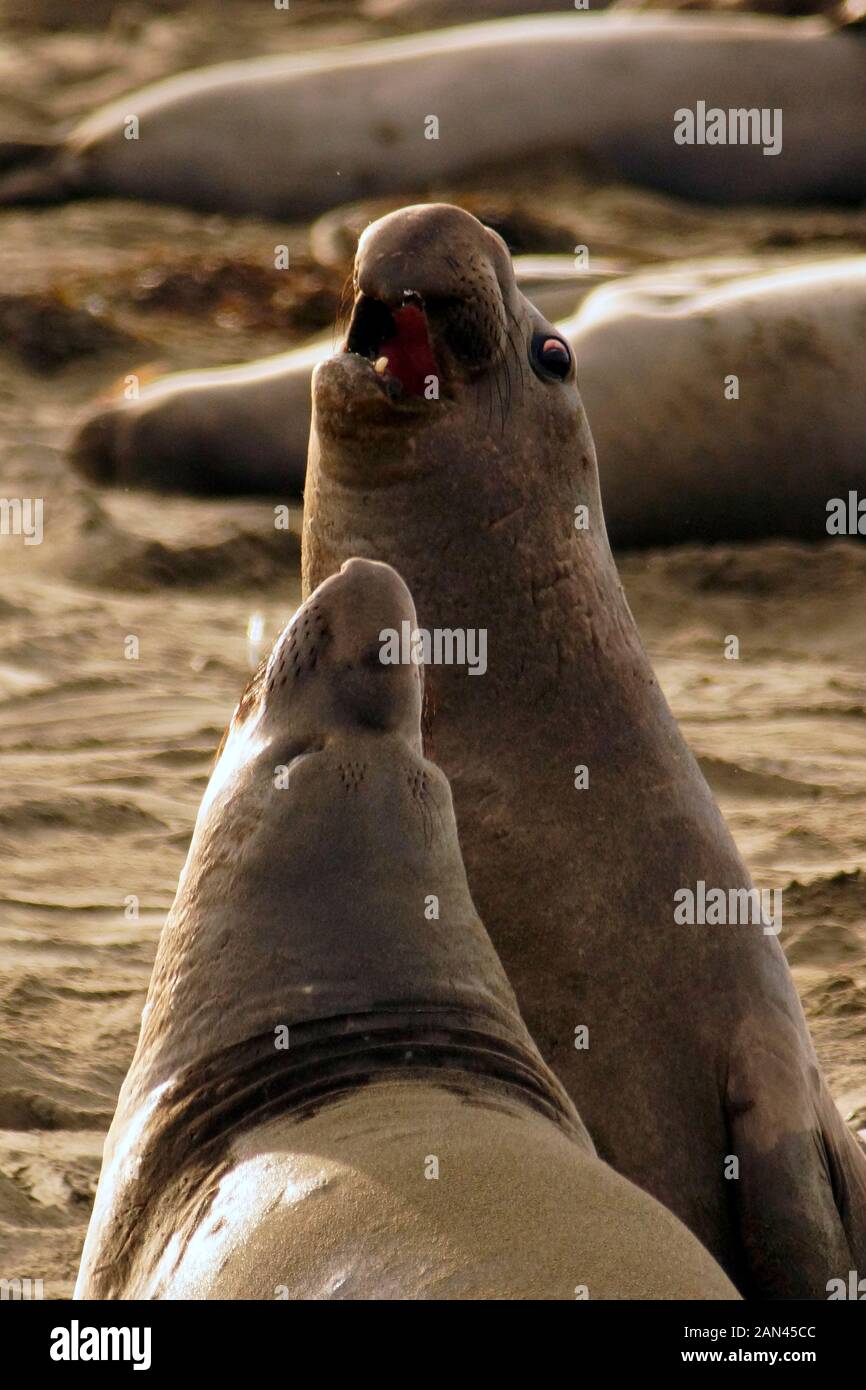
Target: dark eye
x=551, y=357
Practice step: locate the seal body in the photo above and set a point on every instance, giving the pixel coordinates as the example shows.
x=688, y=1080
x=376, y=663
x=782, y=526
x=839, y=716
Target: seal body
x=725, y=407
x=333, y=1094
x=725, y=404
x=582, y=813
x=289, y=137
x=225, y=430
x=345, y=1203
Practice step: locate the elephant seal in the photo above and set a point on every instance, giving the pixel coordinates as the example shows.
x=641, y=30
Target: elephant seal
x=220, y=431
x=333, y=1094
x=289, y=137
x=761, y=456
x=725, y=407
x=583, y=816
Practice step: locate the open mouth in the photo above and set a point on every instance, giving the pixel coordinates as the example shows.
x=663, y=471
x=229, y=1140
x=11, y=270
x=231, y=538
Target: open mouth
x=397, y=342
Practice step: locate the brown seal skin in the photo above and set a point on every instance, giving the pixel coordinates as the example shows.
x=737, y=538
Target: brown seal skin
x=292, y=135
x=698, y=1052
x=237, y=1168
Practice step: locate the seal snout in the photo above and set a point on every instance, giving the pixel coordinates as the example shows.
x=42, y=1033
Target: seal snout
x=430, y=308
x=366, y=601
x=397, y=341
x=329, y=673
x=93, y=452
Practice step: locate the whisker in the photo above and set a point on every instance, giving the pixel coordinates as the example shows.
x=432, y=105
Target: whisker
x=344, y=309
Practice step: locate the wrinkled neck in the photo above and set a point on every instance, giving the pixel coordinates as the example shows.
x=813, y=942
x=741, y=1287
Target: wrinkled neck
x=348, y=900
x=487, y=541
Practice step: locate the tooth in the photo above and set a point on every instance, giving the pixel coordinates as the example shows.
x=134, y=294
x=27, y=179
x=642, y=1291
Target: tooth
x=380, y=365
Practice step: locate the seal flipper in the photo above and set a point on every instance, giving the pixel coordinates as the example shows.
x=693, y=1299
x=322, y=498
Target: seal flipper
x=799, y=1200
x=848, y=1172
x=36, y=173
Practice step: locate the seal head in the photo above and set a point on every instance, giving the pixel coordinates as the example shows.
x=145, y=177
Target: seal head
x=439, y=326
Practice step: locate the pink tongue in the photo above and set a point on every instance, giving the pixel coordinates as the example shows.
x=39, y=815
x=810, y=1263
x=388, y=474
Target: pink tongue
x=410, y=356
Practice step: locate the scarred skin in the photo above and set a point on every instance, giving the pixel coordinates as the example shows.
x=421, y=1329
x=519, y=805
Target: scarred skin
x=698, y=1048
x=244, y=1165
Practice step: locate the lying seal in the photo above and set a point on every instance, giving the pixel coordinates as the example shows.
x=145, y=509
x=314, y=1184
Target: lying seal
x=745, y=389
x=582, y=814
x=333, y=1094
x=725, y=407
x=221, y=431
x=292, y=136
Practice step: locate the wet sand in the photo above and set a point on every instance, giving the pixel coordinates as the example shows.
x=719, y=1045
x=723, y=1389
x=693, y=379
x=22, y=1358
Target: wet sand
x=105, y=757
